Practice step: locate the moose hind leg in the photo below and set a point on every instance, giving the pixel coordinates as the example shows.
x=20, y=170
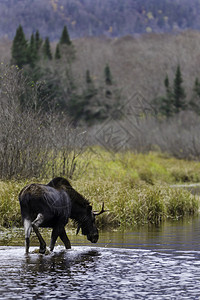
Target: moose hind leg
x=65, y=239
x=36, y=223
x=27, y=230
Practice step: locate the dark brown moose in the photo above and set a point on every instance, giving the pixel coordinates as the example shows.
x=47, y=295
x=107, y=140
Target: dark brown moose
x=51, y=205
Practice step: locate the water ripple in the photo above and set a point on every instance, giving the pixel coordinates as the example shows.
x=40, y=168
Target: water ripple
x=99, y=273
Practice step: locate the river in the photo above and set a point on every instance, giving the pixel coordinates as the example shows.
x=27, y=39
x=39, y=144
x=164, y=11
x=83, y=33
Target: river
x=145, y=263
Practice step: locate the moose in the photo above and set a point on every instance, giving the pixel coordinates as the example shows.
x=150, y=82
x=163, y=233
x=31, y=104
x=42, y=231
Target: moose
x=51, y=205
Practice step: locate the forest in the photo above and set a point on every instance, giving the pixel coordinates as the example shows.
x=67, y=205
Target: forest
x=127, y=84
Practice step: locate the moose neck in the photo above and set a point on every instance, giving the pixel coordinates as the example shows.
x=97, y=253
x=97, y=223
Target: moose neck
x=78, y=213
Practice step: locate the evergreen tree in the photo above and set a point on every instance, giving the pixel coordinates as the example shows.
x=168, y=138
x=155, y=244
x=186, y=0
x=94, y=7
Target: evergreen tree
x=57, y=53
x=195, y=101
x=197, y=87
x=178, y=92
x=166, y=83
x=168, y=101
x=108, y=81
x=88, y=78
x=108, y=75
x=32, y=52
x=66, y=47
x=90, y=110
x=19, y=48
x=90, y=91
x=38, y=40
x=47, y=49
x=65, y=39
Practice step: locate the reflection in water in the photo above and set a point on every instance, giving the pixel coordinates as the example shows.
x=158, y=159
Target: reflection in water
x=148, y=263
x=37, y=276
x=50, y=275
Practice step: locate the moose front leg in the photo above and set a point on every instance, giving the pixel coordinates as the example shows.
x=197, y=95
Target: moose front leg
x=35, y=224
x=65, y=239
x=54, y=236
x=57, y=231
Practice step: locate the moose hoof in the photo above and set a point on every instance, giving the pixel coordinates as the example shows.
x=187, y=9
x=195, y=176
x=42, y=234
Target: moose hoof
x=42, y=250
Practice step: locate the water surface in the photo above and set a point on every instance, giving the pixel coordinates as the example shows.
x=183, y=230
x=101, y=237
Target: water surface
x=147, y=263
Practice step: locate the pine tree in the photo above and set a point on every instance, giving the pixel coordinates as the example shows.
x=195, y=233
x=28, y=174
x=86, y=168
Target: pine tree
x=166, y=83
x=178, y=91
x=89, y=99
x=108, y=81
x=32, y=52
x=66, y=47
x=65, y=39
x=195, y=100
x=108, y=75
x=88, y=78
x=197, y=87
x=168, y=101
x=19, y=48
x=47, y=49
x=57, y=53
x=90, y=91
x=38, y=40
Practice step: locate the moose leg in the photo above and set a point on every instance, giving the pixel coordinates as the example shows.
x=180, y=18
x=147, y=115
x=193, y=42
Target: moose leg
x=27, y=229
x=36, y=223
x=54, y=236
x=65, y=239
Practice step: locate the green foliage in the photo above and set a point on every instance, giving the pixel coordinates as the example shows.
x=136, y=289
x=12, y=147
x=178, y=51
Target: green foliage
x=19, y=48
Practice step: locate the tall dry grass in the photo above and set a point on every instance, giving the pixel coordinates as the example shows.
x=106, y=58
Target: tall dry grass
x=134, y=188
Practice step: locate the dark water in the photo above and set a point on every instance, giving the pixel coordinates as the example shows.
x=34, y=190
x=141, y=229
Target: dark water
x=147, y=263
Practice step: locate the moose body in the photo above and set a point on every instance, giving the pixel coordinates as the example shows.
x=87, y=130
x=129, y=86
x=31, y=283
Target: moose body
x=52, y=205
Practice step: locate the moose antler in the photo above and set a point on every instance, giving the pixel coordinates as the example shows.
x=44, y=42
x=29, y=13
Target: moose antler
x=101, y=212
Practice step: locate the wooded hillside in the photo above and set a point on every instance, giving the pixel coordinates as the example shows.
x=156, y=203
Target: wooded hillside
x=112, y=18
x=137, y=64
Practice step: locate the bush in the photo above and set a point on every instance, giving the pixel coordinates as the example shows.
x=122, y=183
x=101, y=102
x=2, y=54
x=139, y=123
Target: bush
x=33, y=143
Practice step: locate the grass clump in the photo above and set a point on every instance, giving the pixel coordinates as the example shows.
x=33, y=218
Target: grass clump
x=129, y=206
x=180, y=203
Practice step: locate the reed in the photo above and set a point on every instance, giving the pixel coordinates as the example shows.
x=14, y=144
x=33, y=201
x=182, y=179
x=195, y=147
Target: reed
x=129, y=206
